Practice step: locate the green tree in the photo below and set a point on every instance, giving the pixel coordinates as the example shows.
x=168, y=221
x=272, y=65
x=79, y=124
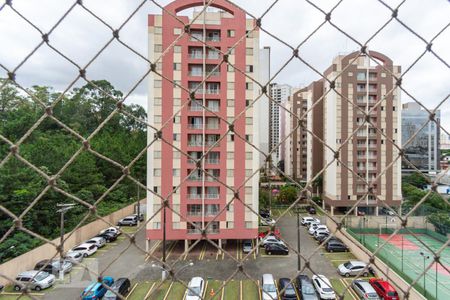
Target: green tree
x=441, y=221
x=288, y=194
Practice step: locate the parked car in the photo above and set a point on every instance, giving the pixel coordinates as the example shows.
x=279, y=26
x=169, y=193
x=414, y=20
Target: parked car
x=387, y=211
x=316, y=226
x=323, y=287
x=53, y=266
x=112, y=229
x=353, y=268
x=312, y=223
x=323, y=237
x=96, y=290
x=269, y=290
x=384, y=289
x=364, y=290
x=97, y=241
x=289, y=290
x=306, y=220
x=311, y=210
x=264, y=213
x=108, y=236
x=246, y=246
x=128, y=221
x=85, y=249
x=277, y=249
x=74, y=257
x=305, y=288
x=121, y=286
x=319, y=234
x=267, y=221
x=336, y=246
x=141, y=217
x=270, y=239
x=36, y=280
x=195, y=289
x=274, y=232
x=320, y=230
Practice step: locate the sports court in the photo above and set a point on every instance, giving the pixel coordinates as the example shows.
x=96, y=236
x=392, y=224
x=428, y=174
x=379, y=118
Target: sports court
x=402, y=254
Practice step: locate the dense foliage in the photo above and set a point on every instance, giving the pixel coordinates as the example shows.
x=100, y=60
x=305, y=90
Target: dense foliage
x=49, y=147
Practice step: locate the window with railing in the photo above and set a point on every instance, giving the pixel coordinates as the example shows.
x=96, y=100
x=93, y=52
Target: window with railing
x=194, y=209
x=195, y=122
x=211, y=35
x=194, y=229
x=212, y=209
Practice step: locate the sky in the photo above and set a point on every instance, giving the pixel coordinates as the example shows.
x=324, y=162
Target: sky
x=80, y=36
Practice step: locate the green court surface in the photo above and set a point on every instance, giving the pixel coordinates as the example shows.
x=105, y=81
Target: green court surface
x=403, y=254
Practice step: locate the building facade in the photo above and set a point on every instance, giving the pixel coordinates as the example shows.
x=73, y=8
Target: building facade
x=263, y=104
x=367, y=153
x=279, y=94
x=202, y=160
x=420, y=138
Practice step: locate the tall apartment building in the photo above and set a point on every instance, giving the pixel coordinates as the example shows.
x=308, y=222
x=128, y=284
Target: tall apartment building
x=196, y=197
x=445, y=141
x=279, y=93
x=423, y=151
x=367, y=153
x=263, y=104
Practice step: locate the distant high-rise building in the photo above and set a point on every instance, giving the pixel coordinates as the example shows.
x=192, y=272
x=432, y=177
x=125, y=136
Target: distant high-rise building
x=420, y=138
x=366, y=153
x=200, y=186
x=445, y=141
x=262, y=104
x=279, y=93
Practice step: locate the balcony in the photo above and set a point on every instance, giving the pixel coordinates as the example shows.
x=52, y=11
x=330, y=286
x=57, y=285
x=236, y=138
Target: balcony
x=212, y=161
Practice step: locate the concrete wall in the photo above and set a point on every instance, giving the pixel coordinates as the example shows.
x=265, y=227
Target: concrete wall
x=383, y=271
x=28, y=260
x=376, y=221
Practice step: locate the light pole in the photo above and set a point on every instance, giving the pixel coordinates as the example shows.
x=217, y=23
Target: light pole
x=164, y=272
x=164, y=240
x=425, y=257
x=64, y=208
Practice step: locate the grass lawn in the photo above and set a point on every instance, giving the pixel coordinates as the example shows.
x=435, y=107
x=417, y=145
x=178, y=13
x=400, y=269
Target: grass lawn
x=339, y=288
x=232, y=290
x=128, y=229
x=158, y=293
x=215, y=285
x=250, y=290
x=140, y=291
x=339, y=255
x=14, y=297
x=177, y=291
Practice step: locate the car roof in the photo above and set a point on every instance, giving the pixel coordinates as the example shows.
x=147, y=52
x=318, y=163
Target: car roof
x=365, y=284
x=31, y=273
x=195, y=281
x=85, y=245
x=386, y=285
x=267, y=277
x=322, y=278
x=357, y=263
x=285, y=281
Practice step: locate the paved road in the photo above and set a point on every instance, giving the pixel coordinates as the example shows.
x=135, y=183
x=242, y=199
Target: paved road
x=125, y=260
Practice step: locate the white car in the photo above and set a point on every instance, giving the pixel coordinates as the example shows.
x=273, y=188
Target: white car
x=195, y=289
x=114, y=230
x=85, y=249
x=270, y=239
x=268, y=221
x=323, y=287
x=315, y=222
x=97, y=241
x=316, y=226
x=321, y=231
x=306, y=220
x=269, y=289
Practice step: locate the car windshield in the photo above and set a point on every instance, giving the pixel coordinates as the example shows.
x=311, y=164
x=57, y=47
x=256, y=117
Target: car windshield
x=270, y=288
x=327, y=290
x=41, y=276
x=348, y=265
x=372, y=295
x=194, y=291
x=289, y=291
x=392, y=294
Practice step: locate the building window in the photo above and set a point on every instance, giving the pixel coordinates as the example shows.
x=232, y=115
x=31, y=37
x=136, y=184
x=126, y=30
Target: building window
x=176, y=154
x=249, y=51
x=248, y=155
x=155, y=189
x=230, y=68
x=176, y=136
x=230, y=33
x=247, y=102
x=157, y=225
x=231, y=137
x=157, y=172
x=157, y=101
x=177, y=49
x=158, y=48
x=177, y=31
x=249, y=85
x=176, y=172
x=249, y=68
x=158, y=30
x=230, y=225
x=230, y=102
x=157, y=154
x=249, y=138
x=176, y=119
x=248, y=120
x=157, y=119
x=248, y=225
x=248, y=172
x=230, y=85
x=230, y=172
x=176, y=66
x=157, y=84
x=230, y=155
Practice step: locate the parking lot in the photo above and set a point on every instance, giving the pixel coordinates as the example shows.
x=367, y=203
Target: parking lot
x=120, y=259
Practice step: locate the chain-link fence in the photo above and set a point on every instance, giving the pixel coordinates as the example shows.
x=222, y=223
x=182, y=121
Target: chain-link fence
x=371, y=243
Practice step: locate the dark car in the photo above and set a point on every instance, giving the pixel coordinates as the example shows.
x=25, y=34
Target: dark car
x=264, y=213
x=276, y=249
x=311, y=210
x=322, y=238
x=335, y=246
x=306, y=288
x=289, y=292
x=108, y=236
x=121, y=286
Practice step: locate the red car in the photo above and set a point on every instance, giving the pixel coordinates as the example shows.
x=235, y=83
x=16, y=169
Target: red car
x=384, y=289
x=275, y=232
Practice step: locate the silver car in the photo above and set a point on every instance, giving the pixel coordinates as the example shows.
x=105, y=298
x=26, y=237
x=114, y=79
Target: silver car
x=74, y=257
x=37, y=280
x=364, y=290
x=353, y=268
